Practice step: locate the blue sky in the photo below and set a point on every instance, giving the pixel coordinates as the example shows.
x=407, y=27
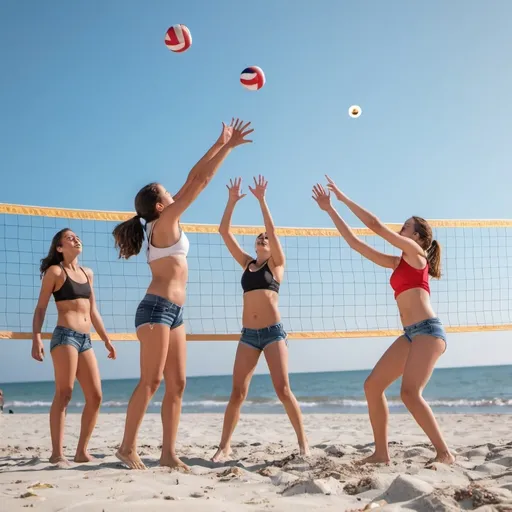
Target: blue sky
x=93, y=106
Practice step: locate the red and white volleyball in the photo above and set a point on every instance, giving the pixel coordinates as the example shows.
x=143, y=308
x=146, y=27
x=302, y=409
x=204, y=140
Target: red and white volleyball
x=252, y=78
x=178, y=38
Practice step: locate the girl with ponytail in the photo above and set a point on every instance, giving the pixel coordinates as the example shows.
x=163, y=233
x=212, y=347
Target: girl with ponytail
x=159, y=316
x=414, y=354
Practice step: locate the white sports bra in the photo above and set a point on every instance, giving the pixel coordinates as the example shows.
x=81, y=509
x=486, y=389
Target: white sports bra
x=180, y=248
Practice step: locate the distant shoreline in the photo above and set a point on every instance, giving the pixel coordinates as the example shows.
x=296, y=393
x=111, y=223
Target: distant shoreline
x=263, y=374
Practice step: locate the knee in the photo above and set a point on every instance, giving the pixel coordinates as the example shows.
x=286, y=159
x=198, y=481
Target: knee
x=94, y=399
x=150, y=385
x=284, y=393
x=177, y=386
x=409, y=394
x=238, y=395
x=63, y=396
x=372, y=386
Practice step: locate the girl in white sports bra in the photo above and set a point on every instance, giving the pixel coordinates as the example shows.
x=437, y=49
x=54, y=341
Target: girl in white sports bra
x=159, y=316
x=180, y=248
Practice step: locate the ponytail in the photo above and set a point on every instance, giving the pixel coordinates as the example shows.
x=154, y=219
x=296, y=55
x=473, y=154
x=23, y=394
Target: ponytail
x=434, y=259
x=129, y=237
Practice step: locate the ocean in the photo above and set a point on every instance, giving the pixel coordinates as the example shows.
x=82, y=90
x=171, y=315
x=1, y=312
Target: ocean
x=455, y=390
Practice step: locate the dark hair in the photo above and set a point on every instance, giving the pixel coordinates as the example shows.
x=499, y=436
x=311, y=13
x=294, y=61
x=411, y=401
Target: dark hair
x=129, y=235
x=432, y=247
x=54, y=257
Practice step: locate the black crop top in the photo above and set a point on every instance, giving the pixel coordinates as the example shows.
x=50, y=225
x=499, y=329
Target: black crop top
x=71, y=290
x=261, y=279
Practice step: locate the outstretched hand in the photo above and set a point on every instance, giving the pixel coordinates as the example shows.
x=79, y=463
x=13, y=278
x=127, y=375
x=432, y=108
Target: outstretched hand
x=260, y=187
x=235, y=190
x=234, y=134
x=340, y=196
x=322, y=197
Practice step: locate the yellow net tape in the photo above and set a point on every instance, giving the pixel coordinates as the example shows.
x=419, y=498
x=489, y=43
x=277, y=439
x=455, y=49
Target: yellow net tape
x=131, y=336
x=66, y=213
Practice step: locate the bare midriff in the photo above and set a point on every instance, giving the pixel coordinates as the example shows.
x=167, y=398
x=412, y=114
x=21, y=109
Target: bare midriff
x=75, y=315
x=169, y=278
x=260, y=309
x=414, y=306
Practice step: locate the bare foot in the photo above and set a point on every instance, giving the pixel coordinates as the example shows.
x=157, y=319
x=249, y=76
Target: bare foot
x=445, y=458
x=84, y=457
x=130, y=458
x=222, y=455
x=304, y=450
x=173, y=462
x=374, y=459
x=60, y=461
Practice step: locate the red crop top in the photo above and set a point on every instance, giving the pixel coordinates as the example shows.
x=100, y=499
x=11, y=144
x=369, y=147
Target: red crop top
x=405, y=277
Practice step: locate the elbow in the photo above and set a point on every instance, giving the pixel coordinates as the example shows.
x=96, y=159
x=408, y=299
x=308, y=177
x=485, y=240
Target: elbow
x=199, y=182
x=206, y=180
x=202, y=180
x=374, y=223
x=357, y=246
x=223, y=230
x=95, y=318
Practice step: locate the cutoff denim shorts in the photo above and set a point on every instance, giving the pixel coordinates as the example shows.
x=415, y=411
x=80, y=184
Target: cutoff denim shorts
x=65, y=336
x=262, y=338
x=157, y=310
x=430, y=326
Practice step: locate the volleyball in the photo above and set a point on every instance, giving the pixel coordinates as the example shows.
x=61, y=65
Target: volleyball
x=252, y=78
x=178, y=38
x=354, y=111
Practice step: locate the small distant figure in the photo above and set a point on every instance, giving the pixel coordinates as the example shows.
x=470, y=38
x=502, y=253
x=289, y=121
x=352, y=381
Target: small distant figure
x=1, y=400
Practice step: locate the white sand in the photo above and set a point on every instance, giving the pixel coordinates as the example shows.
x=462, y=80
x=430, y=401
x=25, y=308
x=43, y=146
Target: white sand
x=263, y=476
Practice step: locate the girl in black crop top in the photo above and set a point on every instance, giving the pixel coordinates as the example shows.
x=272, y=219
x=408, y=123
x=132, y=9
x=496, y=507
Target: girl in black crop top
x=70, y=347
x=262, y=329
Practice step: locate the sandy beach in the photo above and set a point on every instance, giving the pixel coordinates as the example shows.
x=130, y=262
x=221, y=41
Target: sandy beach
x=266, y=473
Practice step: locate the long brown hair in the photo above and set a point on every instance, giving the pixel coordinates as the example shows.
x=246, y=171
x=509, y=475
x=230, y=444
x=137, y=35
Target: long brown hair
x=432, y=247
x=129, y=235
x=54, y=257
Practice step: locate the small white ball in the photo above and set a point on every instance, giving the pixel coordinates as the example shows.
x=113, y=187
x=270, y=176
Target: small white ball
x=354, y=111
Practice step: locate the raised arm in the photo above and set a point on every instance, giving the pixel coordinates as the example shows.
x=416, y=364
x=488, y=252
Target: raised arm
x=371, y=221
x=323, y=200
x=96, y=319
x=235, y=194
x=260, y=187
x=47, y=287
x=203, y=172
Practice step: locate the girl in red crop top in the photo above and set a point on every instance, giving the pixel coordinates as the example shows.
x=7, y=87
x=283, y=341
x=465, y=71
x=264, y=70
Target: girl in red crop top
x=414, y=354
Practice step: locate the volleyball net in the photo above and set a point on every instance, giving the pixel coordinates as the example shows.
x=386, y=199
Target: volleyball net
x=329, y=291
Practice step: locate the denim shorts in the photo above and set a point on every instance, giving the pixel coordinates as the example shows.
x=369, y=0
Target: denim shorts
x=157, y=310
x=430, y=326
x=65, y=336
x=262, y=338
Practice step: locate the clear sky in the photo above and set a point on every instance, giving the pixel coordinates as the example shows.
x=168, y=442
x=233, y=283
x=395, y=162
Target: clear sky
x=93, y=106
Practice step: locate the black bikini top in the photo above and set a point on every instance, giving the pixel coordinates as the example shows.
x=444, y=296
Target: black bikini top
x=261, y=279
x=71, y=290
